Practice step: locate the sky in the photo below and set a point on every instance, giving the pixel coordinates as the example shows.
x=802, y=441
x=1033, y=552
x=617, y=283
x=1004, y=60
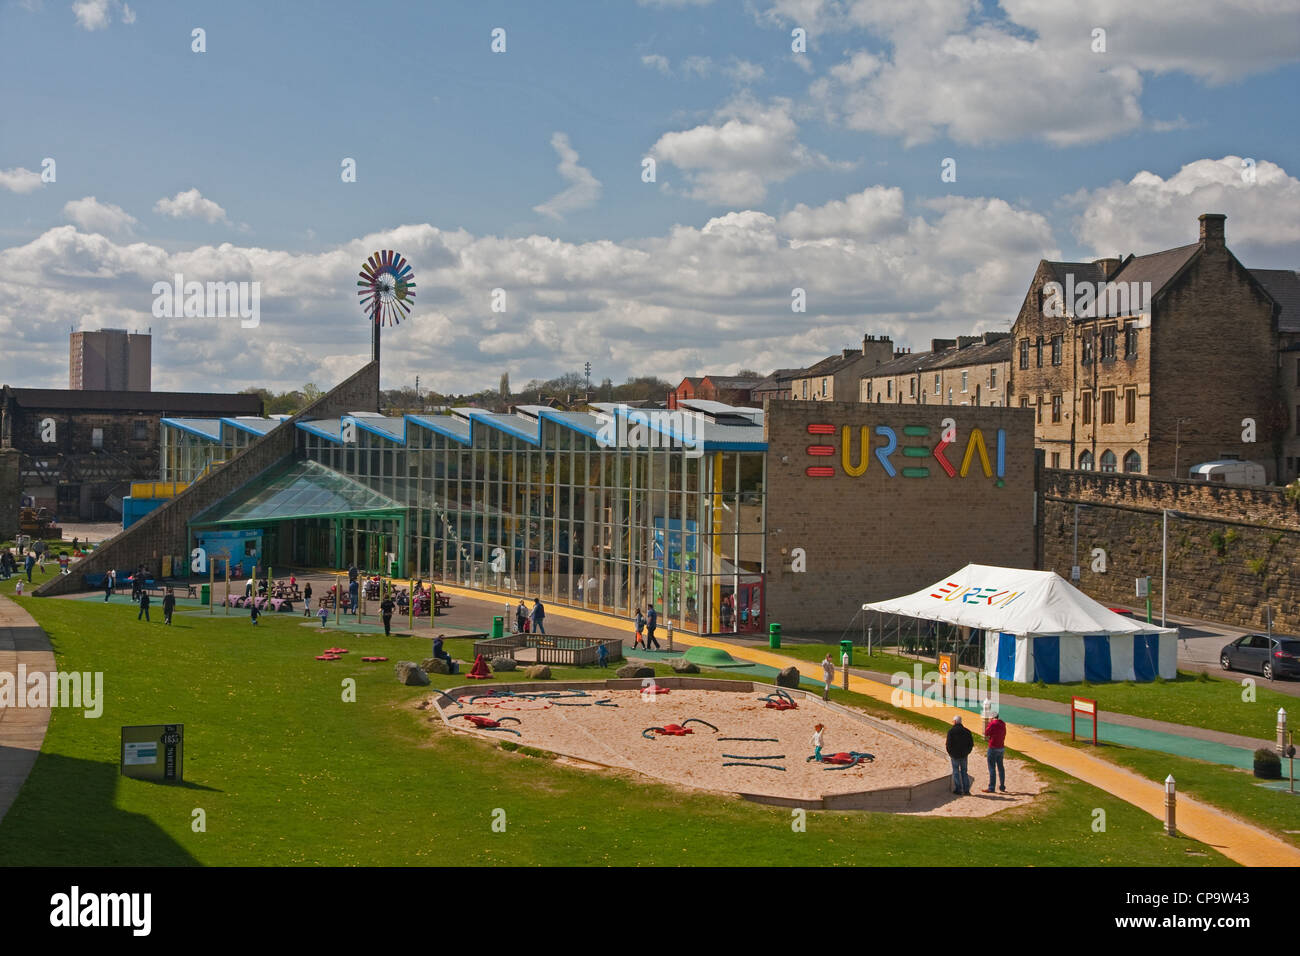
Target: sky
x=648, y=184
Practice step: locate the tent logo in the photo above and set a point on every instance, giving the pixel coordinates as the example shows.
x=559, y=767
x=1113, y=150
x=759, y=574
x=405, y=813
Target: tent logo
x=915, y=447
x=989, y=597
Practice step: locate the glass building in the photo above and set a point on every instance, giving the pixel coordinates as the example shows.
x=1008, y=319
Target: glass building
x=606, y=509
x=190, y=446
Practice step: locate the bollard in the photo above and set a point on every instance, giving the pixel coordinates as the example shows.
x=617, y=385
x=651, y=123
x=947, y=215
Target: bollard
x=1171, y=800
x=844, y=662
x=670, y=635
x=1281, y=730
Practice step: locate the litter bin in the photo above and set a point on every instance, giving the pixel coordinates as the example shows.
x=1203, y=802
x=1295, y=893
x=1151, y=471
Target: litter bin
x=392, y=569
x=205, y=595
x=846, y=647
x=774, y=635
x=498, y=626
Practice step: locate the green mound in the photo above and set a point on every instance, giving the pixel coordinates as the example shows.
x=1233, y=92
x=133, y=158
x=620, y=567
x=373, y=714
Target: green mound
x=713, y=657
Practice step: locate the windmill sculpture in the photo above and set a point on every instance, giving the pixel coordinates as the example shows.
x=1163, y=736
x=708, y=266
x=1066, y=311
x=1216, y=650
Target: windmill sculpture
x=387, y=291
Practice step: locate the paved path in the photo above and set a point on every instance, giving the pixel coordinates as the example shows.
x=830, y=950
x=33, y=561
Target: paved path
x=1239, y=841
x=22, y=729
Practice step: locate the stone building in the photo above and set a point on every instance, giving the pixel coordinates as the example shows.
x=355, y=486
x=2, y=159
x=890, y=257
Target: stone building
x=727, y=389
x=1284, y=286
x=967, y=370
x=1150, y=364
x=836, y=377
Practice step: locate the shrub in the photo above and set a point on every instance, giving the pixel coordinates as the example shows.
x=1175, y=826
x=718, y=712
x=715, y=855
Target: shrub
x=1218, y=542
x=1203, y=677
x=1292, y=492
x=1257, y=565
x=1268, y=765
x=1232, y=536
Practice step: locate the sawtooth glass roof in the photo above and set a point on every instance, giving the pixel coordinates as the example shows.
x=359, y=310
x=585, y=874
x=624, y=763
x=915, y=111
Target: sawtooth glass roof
x=296, y=489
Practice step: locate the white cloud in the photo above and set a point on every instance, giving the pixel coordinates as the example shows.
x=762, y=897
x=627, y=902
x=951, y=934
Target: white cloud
x=1149, y=213
x=748, y=147
x=583, y=190
x=20, y=180
x=700, y=66
x=658, y=62
x=128, y=15
x=190, y=204
x=98, y=14
x=95, y=216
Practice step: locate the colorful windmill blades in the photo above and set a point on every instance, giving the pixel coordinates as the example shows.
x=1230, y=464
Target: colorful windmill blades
x=384, y=304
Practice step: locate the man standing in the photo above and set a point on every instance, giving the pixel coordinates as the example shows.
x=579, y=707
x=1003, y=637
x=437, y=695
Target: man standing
x=539, y=617
x=353, y=588
x=28, y=564
x=144, y=605
x=108, y=585
x=960, y=744
x=306, y=600
x=995, y=734
x=651, y=622
x=169, y=605
x=828, y=676
x=521, y=618
x=386, y=611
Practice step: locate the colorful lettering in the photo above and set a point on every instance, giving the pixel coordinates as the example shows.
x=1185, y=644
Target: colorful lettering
x=882, y=454
x=976, y=440
x=846, y=451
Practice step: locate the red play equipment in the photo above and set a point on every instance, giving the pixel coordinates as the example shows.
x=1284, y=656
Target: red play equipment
x=782, y=704
x=654, y=689
x=480, y=670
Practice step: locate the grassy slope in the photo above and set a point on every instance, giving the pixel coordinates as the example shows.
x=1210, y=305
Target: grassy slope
x=288, y=773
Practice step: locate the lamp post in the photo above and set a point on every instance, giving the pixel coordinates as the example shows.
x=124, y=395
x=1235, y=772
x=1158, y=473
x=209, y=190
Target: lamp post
x=1164, y=560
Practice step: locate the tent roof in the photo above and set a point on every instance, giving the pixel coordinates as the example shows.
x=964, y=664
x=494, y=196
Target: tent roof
x=1015, y=601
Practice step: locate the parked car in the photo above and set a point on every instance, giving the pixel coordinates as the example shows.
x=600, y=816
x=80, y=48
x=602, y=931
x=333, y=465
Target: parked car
x=1276, y=656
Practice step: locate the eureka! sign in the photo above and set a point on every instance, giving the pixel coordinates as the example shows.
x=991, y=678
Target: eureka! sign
x=882, y=444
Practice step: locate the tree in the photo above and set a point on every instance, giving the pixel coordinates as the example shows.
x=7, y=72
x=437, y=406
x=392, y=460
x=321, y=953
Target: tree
x=504, y=387
x=310, y=392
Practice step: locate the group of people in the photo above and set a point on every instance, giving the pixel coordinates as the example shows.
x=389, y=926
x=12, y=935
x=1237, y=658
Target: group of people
x=645, y=627
x=533, y=622
x=961, y=742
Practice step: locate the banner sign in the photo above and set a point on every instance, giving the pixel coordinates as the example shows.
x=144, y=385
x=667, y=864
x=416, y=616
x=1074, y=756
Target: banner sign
x=153, y=751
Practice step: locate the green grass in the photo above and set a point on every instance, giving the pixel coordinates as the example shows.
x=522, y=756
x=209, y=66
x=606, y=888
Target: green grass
x=1213, y=703
x=287, y=773
x=1227, y=788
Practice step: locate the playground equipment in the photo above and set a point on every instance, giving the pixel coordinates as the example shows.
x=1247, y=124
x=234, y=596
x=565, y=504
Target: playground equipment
x=480, y=670
x=845, y=759
x=676, y=730
x=485, y=722
x=779, y=700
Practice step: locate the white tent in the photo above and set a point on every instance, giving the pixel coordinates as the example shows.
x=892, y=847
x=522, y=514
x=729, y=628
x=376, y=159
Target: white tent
x=1040, y=627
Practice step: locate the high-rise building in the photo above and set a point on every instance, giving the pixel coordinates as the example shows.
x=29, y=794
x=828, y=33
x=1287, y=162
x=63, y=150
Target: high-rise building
x=110, y=360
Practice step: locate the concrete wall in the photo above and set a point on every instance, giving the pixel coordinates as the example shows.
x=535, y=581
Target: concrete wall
x=166, y=532
x=1231, y=553
x=870, y=536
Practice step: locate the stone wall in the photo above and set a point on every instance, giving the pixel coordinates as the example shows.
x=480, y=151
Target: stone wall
x=166, y=530
x=1232, y=551
x=872, y=536
x=11, y=488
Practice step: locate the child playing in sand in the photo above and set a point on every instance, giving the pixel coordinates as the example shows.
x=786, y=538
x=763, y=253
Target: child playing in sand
x=817, y=742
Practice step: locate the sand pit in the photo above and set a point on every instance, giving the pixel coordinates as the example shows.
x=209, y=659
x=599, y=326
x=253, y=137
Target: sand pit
x=909, y=773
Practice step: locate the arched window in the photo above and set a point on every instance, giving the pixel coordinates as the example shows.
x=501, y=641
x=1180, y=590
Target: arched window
x=1108, y=461
x=1132, y=462
x=1085, y=461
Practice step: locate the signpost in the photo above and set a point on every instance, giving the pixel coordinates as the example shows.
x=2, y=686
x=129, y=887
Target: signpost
x=947, y=663
x=153, y=752
x=1144, y=591
x=1082, y=706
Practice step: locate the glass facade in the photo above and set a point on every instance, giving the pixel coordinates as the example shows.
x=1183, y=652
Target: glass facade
x=189, y=446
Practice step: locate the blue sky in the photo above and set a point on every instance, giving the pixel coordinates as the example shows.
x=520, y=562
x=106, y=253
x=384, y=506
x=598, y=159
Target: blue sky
x=775, y=170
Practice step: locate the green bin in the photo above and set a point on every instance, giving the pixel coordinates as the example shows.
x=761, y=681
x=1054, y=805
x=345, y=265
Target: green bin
x=498, y=626
x=846, y=647
x=392, y=569
x=774, y=635
x=205, y=595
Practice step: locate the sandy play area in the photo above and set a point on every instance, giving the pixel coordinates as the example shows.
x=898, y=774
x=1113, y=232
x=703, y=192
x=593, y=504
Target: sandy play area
x=905, y=775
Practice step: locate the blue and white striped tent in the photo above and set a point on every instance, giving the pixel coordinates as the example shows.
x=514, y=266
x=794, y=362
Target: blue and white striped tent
x=1037, y=626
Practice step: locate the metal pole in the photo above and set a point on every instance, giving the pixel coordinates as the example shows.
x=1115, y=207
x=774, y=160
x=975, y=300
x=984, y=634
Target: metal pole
x=1171, y=800
x=1164, y=566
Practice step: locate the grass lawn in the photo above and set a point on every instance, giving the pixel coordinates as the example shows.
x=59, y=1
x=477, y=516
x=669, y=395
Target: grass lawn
x=1228, y=788
x=1210, y=702
x=288, y=773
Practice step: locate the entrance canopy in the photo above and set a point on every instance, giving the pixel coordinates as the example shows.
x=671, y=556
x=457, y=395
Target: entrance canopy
x=297, y=489
x=1014, y=601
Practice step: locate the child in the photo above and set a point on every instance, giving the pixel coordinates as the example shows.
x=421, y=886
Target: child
x=639, y=640
x=817, y=742
x=602, y=654
x=324, y=614
x=253, y=610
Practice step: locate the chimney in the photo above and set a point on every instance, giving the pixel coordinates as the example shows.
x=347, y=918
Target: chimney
x=1107, y=266
x=1212, y=229
x=938, y=345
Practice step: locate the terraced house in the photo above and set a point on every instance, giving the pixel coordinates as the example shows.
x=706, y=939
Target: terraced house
x=967, y=370
x=1149, y=364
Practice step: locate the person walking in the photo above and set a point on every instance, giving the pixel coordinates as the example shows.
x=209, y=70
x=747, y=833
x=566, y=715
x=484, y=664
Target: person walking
x=828, y=676
x=386, y=611
x=28, y=564
x=108, y=585
x=323, y=613
x=539, y=617
x=521, y=618
x=995, y=735
x=169, y=605
x=817, y=741
x=306, y=600
x=602, y=654
x=651, y=622
x=639, y=637
x=959, y=745
x=248, y=587
x=144, y=605
x=253, y=612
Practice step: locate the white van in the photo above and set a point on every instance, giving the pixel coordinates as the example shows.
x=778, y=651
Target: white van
x=1229, y=471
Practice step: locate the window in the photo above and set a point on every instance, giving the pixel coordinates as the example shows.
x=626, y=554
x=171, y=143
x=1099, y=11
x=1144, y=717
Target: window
x=1056, y=409
x=963, y=382
x=1086, y=408
x=1130, y=405
x=1130, y=341
x=868, y=391
x=1108, y=406
x=938, y=388
x=949, y=394
x=1039, y=416
x=1132, y=463
x=1024, y=354
x=1024, y=401
x=1038, y=350
x=1085, y=349
x=1056, y=459
x=805, y=389
x=824, y=391
x=140, y=431
x=97, y=438
x=1108, y=461
x=1057, y=342
x=911, y=388
x=889, y=389
x=993, y=378
x=1085, y=461
x=1108, y=339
